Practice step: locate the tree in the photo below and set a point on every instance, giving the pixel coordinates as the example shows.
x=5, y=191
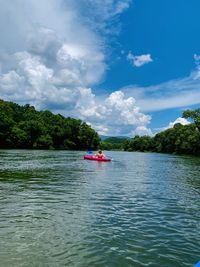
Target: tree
x=25, y=127
x=194, y=115
x=181, y=139
x=139, y=143
x=6, y=123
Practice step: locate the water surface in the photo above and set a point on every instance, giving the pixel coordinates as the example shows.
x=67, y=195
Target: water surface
x=57, y=209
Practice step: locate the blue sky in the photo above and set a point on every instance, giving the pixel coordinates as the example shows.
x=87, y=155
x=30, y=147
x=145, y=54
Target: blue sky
x=124, y=66
x=168, y=30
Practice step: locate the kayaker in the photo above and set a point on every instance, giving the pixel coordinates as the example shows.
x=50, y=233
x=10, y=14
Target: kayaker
x=100, y=155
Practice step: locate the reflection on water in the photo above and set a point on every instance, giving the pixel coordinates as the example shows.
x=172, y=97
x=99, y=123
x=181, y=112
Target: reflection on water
x=57, y=209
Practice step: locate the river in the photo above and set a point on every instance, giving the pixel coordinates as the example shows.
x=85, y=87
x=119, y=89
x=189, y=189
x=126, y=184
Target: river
x=140, y=209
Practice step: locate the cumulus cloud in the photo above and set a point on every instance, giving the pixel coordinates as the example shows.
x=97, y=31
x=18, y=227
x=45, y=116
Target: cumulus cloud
x=52, y=53
x=139, y=61
x=56, y=54
x=118, y=115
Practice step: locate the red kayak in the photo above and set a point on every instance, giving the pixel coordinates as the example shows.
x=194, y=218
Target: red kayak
x=96, y=158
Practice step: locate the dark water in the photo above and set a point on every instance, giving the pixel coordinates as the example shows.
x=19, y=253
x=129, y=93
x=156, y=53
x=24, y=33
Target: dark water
x=57, y=209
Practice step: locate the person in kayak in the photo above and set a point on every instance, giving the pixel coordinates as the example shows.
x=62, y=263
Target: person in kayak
x=100, y=155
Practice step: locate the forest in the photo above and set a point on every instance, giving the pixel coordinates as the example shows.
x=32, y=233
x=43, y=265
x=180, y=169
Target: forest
x=181, y=139
x=25, y=127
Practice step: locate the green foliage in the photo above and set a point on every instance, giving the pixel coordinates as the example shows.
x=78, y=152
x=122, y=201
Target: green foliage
x=181, y=139
x=24, y=127
x=143, y=143
x=44, y=142
x=194, y=115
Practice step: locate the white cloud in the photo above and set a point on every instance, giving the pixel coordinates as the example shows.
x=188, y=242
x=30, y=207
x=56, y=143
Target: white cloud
x=117, y=115
x=180, y=120
x=59, y=57
x=196, y=75
x=87, y=63
x=173, y=100
x=10, y=81
x=142, y=130
x=139, y=61
x=99, y=14
x=179, y=93
x=52, y=52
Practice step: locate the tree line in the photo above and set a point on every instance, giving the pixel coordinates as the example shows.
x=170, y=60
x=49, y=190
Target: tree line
x=181, y=139
x=25, y=127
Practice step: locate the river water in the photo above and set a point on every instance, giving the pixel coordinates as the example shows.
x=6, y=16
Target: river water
x=56, y=209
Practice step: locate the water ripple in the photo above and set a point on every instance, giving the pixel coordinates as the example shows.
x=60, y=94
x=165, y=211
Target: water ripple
x=58, y=210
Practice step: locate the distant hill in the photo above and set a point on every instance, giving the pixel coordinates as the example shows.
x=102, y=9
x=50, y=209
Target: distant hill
x=113, y=142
